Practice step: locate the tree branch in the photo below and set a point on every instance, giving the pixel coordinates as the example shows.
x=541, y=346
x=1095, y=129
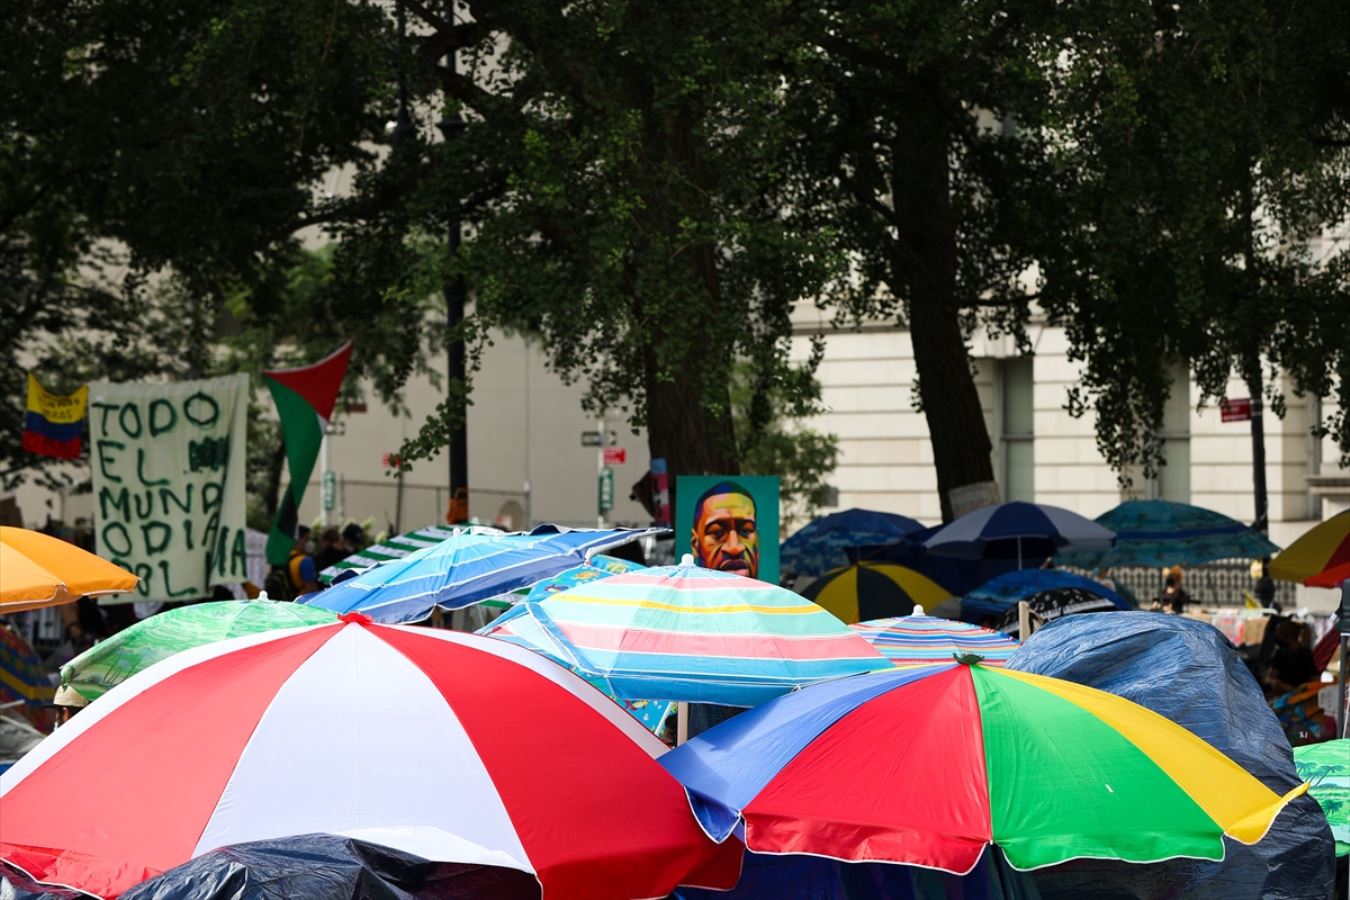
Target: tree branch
x=862, y=56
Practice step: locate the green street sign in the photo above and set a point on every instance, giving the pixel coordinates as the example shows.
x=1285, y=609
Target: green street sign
x=329, y=490
x=606, y=490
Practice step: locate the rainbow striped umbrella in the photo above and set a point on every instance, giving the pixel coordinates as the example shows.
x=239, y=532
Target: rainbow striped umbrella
x=919, y=640
x=1320, y=558
x=1045, y=769
x=684, y=633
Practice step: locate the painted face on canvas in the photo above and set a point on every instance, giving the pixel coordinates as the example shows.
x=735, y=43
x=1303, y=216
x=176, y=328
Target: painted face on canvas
x=725, y=535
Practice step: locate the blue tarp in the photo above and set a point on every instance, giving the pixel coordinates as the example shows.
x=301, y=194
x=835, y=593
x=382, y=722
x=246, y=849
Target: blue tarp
x=1187, y=671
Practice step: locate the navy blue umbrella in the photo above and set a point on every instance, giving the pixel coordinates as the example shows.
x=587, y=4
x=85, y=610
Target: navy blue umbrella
x=1027, y=532
x=823, y=545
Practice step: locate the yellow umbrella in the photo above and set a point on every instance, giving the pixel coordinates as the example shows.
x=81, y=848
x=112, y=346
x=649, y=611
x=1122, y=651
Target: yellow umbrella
x=40, y=570
x=874, y=590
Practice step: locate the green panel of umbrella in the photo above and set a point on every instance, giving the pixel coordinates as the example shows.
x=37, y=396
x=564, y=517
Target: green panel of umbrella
x=108, y=663
x=1326, y=768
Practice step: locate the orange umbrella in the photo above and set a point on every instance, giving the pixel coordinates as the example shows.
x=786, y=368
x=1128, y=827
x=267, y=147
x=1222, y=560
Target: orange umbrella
x=40, y=570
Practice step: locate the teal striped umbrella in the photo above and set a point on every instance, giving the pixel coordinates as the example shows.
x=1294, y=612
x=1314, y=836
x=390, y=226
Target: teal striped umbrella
x=685, y=633
x=397, y=548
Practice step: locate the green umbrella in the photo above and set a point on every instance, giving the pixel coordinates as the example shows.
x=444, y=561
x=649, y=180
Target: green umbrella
x=108, y=663
x=1326, y=768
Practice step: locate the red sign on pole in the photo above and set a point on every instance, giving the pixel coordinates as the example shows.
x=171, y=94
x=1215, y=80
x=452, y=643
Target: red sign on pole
x=615, y=456
x=1238, y=410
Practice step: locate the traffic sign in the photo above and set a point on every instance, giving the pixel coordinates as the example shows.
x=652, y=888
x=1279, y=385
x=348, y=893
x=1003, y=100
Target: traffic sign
x=606, y=478
x=591, y=439
x=1236, y=410
x=329, y=490
x=615, y=456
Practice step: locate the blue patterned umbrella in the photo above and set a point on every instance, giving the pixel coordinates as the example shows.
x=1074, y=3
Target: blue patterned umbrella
x=823, y=545
x=1162, y=533
x=1002, y=594
x=466, y=569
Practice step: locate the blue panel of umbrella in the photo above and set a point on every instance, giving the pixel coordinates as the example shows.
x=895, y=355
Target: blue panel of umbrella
x=1162, y=533
x=1026, y=532
x=466, y=569
x=823, y=544
x=998, y=599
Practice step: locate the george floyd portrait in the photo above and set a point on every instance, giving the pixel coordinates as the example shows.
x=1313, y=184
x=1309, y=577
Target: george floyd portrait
x=732, y=523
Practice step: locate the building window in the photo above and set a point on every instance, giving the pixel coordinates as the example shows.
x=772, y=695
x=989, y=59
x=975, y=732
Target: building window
x=1174, y=479
x=1019, y=430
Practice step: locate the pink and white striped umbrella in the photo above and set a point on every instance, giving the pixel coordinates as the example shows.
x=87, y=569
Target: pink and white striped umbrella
x=449, y=746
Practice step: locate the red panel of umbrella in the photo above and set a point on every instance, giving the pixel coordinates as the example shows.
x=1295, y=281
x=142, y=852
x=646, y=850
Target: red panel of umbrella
x=405, y=737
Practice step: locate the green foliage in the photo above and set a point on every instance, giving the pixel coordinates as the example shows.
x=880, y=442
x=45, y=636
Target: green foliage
x=637, y=152
x=648, y=188
x=158, y=169
x=1204, y=150
x=772, y=442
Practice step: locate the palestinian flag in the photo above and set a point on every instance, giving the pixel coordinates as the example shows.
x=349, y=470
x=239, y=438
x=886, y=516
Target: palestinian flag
x=304, y=399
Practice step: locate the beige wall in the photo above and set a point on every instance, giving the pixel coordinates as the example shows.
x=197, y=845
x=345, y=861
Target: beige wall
x=886, y=458
x=524, y=426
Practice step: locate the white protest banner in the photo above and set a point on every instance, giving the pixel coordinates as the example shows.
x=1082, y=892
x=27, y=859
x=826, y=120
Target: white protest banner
x=168, y=462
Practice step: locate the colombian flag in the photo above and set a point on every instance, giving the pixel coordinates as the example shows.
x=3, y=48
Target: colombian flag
x=54, y=425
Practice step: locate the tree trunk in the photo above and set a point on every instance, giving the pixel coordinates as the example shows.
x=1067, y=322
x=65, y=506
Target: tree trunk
x=275, y=463
x=925, y=264
x=682, y=426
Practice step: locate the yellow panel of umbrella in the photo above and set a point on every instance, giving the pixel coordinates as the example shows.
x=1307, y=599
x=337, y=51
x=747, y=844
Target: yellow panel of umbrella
x=874, y=590
x=1320, y=558
x=39, y=570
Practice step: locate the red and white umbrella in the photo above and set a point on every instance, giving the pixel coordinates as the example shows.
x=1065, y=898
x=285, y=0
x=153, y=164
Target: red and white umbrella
x=449, y=746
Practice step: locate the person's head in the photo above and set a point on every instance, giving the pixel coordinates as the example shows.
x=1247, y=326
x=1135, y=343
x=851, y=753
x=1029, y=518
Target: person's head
x=302, y=534
x=725, y=534
x=68, y=702
x=1289, y=633
x=353, y=536
x=1172, y=582
x=330, y=537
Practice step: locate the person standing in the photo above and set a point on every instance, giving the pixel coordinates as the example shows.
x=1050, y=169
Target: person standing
x=331, y=550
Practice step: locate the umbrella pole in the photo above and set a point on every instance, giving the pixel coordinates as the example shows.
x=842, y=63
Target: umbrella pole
x=1023, y=620
x=437, y=617
x=1341, y=713
x=1019, y=554
x=681, y=722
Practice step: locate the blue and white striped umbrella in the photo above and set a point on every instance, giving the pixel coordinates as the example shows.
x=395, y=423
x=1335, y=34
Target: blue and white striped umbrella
x=1027, y=532
x=466, y=569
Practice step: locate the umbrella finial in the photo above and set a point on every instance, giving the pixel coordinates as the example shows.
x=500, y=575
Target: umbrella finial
x=687, y=559
x=355, y=618
x=918, y=610
x=968, y=659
